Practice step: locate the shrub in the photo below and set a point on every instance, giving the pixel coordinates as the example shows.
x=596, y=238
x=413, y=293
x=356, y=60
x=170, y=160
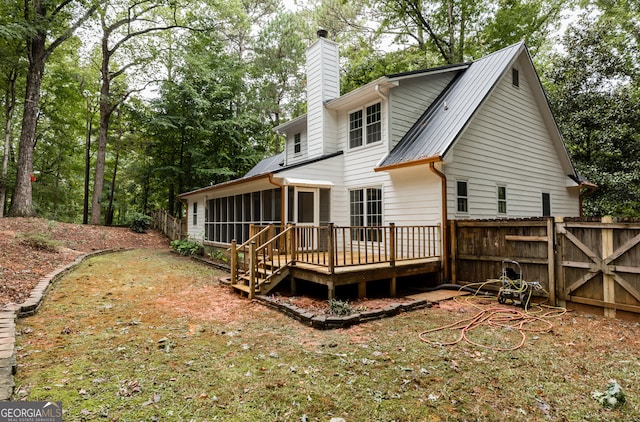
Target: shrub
x=339, y=307
x=140, y=222
x=186, y=247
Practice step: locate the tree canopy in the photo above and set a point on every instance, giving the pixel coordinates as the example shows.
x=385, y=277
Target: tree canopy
x=132, y=102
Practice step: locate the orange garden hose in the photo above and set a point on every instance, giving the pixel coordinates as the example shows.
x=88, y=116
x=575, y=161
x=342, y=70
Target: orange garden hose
x=503, y=317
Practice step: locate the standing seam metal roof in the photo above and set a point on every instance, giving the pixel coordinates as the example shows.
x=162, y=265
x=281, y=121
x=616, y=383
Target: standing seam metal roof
x=438, y=128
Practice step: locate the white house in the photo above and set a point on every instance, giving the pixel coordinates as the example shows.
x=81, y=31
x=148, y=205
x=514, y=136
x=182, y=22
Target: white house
x=473, y=140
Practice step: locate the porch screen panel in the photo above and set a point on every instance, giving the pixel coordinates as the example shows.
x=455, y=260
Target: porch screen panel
x=257, y=214
x=277, y=208
x=267, y=206
x=290, y=204
x=239, y=218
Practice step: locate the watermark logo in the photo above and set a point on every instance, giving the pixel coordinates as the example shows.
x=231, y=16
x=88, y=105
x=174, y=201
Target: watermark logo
x=30, y=411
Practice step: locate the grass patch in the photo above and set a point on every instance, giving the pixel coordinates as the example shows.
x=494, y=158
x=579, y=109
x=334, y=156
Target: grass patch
x=149, y=335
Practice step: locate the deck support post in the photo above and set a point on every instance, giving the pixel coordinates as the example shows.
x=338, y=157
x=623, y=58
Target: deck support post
x=362, y=290
x=331, y=293
x=392, y=289
x=253, y=260
x=234, y=261
x=294, y=286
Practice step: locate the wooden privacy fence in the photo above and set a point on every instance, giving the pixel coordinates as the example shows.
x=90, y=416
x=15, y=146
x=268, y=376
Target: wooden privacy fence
x=172, y=227
x=581, y=264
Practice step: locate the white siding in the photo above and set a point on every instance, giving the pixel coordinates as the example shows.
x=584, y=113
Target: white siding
x=413, y=197
x=409, y=100
x=508, y=143
x=331, y=170
x=323, y=83
x=292, y=157
x=196, y=231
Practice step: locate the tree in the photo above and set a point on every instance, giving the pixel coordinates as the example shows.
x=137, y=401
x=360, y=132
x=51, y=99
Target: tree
x=12, y=66
x=593, y=87
x=123, y=27
x=459, y=30
x=278, y=69
x=49, y=25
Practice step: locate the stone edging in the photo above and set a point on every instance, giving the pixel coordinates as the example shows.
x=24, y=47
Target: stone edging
x=10, y=313
x=324, y=322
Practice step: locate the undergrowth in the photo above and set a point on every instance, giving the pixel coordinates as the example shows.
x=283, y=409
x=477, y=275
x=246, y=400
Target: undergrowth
x=39, y=240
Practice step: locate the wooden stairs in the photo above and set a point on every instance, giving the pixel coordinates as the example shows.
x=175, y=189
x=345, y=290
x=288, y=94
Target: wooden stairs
x=267, y=277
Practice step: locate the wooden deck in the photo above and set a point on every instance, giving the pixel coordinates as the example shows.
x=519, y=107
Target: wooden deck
x=334, y=256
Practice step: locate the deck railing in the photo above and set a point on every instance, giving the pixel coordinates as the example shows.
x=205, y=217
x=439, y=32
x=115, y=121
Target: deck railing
x=333, y=247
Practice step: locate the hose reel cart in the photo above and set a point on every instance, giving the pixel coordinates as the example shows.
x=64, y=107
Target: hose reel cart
x=514, y=287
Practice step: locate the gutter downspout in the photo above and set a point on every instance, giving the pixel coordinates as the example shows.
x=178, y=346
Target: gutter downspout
x=445, y=225
x=377, y=89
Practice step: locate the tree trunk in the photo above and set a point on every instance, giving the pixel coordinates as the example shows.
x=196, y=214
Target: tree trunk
x=105, y=115
x=22, y=202
x=109, y=216
x=10, y=103
x=87, y=163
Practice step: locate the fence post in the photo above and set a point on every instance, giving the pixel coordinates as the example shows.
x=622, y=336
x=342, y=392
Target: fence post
x=551, y=256
x=253, y=260
x=234, y=262
x=454, y=251
x=608, y=282
x=331, y=249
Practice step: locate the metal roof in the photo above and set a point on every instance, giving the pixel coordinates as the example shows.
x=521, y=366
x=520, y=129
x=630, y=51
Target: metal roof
x=439, y=126
x=267, y=165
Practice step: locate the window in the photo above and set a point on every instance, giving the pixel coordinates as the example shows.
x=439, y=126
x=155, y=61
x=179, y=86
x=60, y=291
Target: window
x=546, y=204
x=502, y=199
x=365, y=211
x=371, y=132
x=194, y=219
x=297, y=144
x=355, y=129
x=515, y=77
x=374, y=124
x=461, y=194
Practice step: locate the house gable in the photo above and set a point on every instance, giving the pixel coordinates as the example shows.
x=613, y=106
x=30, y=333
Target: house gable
x=511, y=152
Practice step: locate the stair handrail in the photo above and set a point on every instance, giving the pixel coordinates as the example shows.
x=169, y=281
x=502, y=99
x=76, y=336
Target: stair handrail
x=244, y=247
x=266, y=249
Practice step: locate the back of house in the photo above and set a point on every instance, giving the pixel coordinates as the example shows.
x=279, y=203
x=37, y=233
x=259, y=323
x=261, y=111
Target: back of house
x=473, y=140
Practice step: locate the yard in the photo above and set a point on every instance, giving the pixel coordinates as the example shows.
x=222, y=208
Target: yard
x=150, y=335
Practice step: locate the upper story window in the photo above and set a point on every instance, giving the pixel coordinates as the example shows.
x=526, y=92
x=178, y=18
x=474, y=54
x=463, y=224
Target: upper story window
x=462, y=196
x=365, y=124
x=502, y=199
x=515, y=77
x=297, y=143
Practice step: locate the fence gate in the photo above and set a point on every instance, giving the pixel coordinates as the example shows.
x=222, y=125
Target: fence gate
x=599, y=265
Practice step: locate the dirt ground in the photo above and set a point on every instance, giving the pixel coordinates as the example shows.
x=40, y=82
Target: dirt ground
x=23, y=261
